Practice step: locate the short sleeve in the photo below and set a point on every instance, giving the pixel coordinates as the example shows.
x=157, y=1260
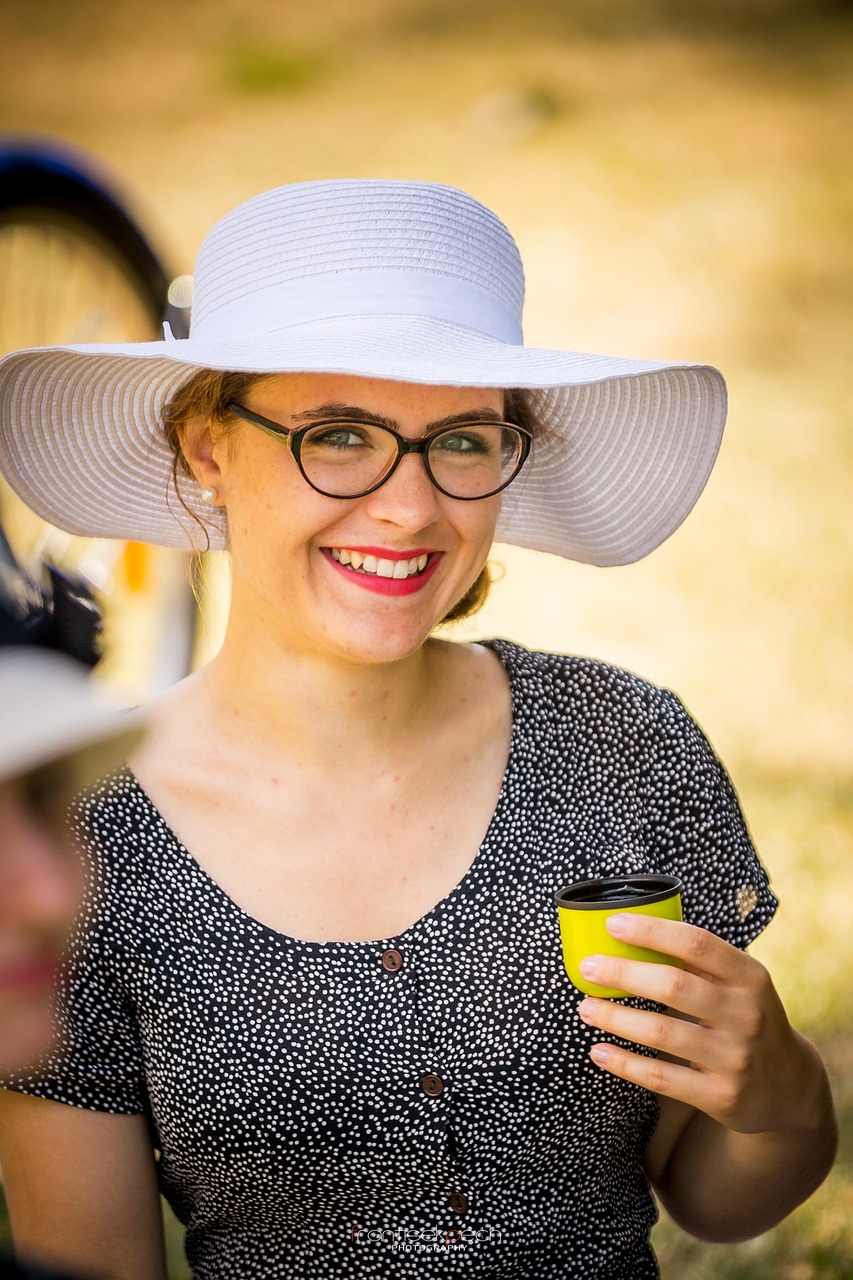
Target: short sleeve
x=697, y=831
x=96, y=1061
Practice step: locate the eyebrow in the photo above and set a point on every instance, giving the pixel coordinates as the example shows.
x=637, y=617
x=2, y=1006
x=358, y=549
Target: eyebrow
x=354, y=413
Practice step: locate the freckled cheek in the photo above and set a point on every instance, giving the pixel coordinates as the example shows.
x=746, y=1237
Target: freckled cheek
x=485, y=540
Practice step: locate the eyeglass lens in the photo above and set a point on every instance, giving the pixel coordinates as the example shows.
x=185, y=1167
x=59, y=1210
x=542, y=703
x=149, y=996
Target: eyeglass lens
x=346, y=459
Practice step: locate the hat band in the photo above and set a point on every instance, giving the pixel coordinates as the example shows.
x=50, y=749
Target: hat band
x=361, y=293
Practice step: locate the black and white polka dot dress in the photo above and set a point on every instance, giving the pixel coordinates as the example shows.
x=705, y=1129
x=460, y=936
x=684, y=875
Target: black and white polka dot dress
x=422, y=1105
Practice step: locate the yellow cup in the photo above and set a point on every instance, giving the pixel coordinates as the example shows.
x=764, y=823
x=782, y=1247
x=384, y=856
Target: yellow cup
x=584, y=908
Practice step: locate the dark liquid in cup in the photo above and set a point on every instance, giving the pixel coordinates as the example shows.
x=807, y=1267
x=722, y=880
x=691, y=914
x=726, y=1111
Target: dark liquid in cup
x=617, y=893
x=593, y=894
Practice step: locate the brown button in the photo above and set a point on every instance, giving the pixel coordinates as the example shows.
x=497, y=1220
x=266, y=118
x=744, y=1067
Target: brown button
x=433, y=1085
x=459, y=1202
x=392, y=960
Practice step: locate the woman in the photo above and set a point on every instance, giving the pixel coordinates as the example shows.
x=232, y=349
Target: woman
x=56, y=736
x=322, y=977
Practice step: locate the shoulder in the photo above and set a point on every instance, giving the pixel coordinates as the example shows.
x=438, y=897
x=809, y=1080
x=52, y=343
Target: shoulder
x=586, y=689
x=110, y=808
x=118, y=831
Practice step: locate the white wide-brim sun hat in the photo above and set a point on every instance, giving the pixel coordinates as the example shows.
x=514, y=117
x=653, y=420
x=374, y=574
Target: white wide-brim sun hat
x=51, y=712
x=407, y=281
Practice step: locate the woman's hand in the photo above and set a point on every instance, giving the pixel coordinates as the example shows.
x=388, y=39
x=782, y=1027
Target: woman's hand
x=741, y=1061
x=747, y=1127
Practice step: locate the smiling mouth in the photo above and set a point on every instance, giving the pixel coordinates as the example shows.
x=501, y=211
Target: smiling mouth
x=377, y=566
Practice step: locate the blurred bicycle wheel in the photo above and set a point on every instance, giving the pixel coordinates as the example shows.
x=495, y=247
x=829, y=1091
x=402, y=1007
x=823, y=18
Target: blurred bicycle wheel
x=75, y=266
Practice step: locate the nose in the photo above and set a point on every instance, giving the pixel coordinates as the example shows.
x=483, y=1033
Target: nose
x=408, y=498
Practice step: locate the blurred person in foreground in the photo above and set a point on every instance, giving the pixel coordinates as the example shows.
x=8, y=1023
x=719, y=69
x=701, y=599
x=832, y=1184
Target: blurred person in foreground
x=324, y=979
x=56, y=737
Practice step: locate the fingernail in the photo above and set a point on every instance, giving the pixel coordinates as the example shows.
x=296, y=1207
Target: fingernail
x=599, y=1053
x=616, y=924
x=589, y=966
x=587, y=1009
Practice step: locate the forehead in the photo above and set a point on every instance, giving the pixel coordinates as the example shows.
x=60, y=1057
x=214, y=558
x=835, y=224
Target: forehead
x=292, y=393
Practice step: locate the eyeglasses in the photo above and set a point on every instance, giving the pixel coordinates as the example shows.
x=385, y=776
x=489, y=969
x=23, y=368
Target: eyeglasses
x=349, y=459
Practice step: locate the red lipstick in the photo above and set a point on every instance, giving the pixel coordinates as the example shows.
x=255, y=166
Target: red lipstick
x=387, y=553
x=28, y=975
x=387, y=586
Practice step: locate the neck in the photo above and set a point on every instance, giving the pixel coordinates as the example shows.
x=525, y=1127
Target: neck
x=274, y=697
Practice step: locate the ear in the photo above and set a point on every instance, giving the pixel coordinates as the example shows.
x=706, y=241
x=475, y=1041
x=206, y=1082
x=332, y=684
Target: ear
x=203, y=453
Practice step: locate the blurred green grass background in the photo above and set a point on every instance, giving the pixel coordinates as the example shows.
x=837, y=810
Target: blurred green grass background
x=678, y=179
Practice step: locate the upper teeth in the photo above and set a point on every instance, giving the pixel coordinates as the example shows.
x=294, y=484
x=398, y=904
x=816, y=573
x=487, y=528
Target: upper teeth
x=382, y=568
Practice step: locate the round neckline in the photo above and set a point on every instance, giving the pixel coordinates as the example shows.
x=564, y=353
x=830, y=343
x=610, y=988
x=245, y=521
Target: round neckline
x=502, y=649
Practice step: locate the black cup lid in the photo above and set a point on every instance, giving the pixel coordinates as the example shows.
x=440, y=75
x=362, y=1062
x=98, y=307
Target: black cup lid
x=618, y=891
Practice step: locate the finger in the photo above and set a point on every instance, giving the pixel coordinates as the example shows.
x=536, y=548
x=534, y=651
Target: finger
x=696, y=1045
x=701, y=950
x=703, y=1090
x=679, y=989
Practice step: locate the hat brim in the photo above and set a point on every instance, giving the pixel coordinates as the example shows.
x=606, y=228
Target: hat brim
x=626, y=449
x=51, y=714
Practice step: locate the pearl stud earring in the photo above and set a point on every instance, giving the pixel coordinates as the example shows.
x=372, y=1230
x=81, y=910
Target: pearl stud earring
x=209, y=495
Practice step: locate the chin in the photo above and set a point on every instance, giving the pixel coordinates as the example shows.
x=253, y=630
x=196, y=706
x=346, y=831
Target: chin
x=379, y=644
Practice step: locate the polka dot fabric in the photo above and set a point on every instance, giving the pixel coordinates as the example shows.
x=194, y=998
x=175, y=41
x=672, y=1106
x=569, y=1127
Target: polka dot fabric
x=422, y=1105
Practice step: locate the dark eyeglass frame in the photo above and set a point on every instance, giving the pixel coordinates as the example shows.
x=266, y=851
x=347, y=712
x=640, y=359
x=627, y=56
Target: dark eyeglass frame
x=293, y=438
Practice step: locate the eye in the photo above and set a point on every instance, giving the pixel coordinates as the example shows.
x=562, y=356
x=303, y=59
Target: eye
x=48, y=790
x=467, y=440
x=344, y=435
